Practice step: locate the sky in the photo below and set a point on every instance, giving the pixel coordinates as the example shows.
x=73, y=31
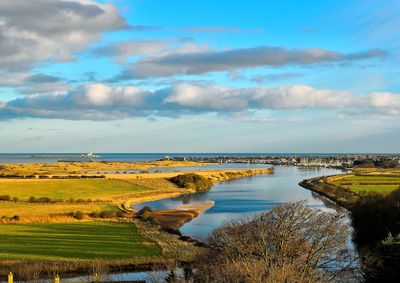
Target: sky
x=199, y=76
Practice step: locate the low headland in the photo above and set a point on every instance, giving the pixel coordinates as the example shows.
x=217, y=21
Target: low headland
x=77, y=217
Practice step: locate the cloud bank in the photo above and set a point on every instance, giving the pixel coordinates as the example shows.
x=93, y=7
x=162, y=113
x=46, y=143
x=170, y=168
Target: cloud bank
x=101, y=102
x=205, y=61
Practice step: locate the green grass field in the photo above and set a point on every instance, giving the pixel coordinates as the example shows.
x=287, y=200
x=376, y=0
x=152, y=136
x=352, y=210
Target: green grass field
x=66, y=241
x=369, y=183
x=66, y=189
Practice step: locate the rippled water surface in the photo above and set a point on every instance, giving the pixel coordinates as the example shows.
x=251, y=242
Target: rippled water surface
x=246, y=197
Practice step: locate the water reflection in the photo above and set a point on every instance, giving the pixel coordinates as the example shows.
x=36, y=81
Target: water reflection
x=248, y=196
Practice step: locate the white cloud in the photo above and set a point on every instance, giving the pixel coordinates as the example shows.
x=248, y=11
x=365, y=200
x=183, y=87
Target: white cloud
x=287, y=97
x=102, y=102
x=40, y=30
x=100, y=95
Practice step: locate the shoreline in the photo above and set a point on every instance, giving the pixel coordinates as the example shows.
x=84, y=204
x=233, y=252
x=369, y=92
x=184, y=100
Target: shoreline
x=326, y=195
x=239, y=173
x=175, y=249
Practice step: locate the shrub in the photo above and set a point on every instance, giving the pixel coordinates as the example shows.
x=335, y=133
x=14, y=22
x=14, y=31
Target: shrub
x=43, y=200
x=107, y=214
x=94, y=214
x=119, y=213
x=15, y=218
x=15, y=199
x=5, y=198
x=78, y=215
x=32, y=199
x=192, y=181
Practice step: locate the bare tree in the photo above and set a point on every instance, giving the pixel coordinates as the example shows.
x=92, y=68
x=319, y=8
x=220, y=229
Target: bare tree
x=290, y=243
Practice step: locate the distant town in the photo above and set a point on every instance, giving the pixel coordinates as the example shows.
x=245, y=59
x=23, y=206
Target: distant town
x=341, y=161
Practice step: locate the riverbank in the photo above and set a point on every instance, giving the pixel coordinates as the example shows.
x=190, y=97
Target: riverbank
x=346, y=189
x=201, y=181
x=156, y=179
x=372, y=197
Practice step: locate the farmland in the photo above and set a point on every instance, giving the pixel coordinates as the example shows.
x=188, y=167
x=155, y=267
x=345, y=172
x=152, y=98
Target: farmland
x=73, y=212
x=368, y=183
x=80, y=240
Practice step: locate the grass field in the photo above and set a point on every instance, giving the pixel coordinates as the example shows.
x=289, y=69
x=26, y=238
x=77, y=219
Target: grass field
x=86, y=167
x=66, y=241
x=34, y=210
x=95, y=189
x=369, y=183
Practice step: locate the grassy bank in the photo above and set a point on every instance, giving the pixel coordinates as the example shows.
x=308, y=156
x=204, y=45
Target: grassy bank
x=346, y=189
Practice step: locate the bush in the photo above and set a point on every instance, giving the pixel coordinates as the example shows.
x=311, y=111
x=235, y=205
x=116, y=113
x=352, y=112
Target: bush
x=78, y=215
x=32, y=199
x=15, y=199
x=43, y=200
x=290, y=243
x=5, y=198
x=119, y=213
x=15, y=218
x=107, y=214
x=192, y=181
x=94, y=214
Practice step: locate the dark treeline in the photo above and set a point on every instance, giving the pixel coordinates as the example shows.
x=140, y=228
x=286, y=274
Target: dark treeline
x=376, y=222
x=376, y=163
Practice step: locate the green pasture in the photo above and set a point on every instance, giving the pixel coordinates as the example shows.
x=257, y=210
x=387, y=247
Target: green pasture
x=370, y=183
x=80, y=240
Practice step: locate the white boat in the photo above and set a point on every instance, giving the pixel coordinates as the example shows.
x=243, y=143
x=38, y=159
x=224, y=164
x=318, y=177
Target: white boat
x=90, y=155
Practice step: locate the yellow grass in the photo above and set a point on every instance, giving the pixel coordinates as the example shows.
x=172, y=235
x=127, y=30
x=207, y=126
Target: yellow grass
x=39, y=210
x=95, y=189
x=88, y=167
x=214, y=175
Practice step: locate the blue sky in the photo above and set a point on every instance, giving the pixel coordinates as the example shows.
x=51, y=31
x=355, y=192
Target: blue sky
x=199, y=76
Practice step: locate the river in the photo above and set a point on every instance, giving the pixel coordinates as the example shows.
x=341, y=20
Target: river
x=247, y=196
x=239, y=198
